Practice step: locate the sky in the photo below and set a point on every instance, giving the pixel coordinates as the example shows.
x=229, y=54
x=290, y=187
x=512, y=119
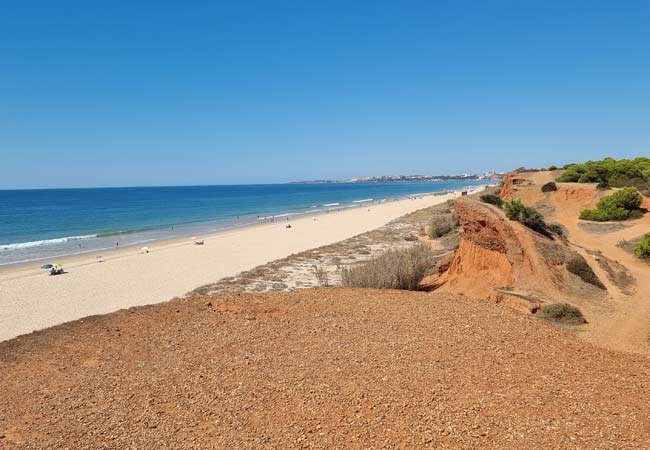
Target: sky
x=109, y=93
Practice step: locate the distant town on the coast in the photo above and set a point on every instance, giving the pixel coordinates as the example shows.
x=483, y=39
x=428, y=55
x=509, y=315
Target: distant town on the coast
x=412, y=178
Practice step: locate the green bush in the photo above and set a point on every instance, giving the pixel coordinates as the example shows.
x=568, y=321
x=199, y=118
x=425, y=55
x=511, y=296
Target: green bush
x=549, y=187
x=621, y=205
x=618, y=173
x=569, y=176
x=589, y=177
x=578, y=266
x=603, y=186
x=492, y=199
x=530, y=217
x=642, y=250
x=552, y=168
x=561, y=312
x=605, y=215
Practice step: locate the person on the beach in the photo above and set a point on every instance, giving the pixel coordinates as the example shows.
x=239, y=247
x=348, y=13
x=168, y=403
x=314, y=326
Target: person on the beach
x=117, y=244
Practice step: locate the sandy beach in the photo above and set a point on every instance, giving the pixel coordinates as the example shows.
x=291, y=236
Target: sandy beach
x=31, y=300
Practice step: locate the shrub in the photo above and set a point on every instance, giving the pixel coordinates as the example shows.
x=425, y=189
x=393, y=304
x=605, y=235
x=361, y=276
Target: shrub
x=621, y=205
x=603, y=186
x=561, y=312
x=549, y=187
x=642, y=250
x=635, y=214
x=492, y=199
x=321, y=275
x=442, y=224
x=618, y=173
x=600, y=215
x=530, y=217
x=628, y=197
x=552, y=168
x=395, y=269
x=589, y=177
x=556, y=228
x=569, y=176
x=578, y=266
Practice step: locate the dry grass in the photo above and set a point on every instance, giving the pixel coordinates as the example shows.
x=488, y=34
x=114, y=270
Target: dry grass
x=395, y=269
x=562, y=313
x=441, y=225
x=321, y=276
x=578, y=266
x=617, y=274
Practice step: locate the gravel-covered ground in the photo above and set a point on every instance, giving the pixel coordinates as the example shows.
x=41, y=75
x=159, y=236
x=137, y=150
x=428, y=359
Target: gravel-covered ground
x=321, y=368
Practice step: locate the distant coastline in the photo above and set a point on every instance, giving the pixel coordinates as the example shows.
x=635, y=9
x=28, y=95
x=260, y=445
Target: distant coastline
x=488, y=176
x=99, y=220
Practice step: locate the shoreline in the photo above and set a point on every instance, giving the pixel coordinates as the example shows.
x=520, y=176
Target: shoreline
x=32, y=300
x=209, y=229
x=184, y=238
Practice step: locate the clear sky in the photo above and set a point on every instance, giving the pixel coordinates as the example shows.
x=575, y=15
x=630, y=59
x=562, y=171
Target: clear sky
x=124, y=93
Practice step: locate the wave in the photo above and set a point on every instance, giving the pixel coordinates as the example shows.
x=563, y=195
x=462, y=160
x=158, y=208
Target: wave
x=363, y=201
x=19, y=245
x=331, y=204
x=123, y=232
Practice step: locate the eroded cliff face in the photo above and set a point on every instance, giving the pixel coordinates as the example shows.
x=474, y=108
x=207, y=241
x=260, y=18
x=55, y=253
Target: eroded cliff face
x=489, y=269
x=510, y=181
x=488, y=250
x=503, y=261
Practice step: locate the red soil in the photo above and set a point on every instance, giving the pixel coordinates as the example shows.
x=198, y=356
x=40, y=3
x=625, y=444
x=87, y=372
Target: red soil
x=327, y=368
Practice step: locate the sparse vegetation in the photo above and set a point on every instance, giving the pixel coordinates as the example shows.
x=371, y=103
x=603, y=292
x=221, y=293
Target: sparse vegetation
x=621, y=205
x=549, y=187
x=442, y=224
x=321, y=276
x=492, y=199
x=395, y=269
x=578, y=266
x=603, y=186
x=526, y=215
x=617, y=173
x=642, y=249
x=556, y=229
x=552, y=168
x=561, y=313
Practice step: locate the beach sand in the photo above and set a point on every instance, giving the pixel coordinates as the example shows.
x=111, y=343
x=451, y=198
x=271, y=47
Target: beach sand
x=31, y=300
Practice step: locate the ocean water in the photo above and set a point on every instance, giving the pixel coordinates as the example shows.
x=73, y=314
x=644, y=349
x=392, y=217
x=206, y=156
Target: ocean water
x=49, y=223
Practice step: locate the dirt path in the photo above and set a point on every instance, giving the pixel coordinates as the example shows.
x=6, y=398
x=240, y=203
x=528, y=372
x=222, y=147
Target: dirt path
x=626, y=326
x=628, y=329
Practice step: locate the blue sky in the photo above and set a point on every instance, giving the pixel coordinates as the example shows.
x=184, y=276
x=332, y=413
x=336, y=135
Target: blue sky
x=165, y=93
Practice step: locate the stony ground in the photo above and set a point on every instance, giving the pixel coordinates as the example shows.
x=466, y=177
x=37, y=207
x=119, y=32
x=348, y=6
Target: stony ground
x=301, y=270
x=319, y=368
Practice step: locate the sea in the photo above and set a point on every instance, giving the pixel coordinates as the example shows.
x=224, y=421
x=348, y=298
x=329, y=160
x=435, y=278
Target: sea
x=45, y=224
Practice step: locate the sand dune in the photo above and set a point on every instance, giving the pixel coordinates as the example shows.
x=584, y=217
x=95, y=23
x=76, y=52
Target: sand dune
x=31, y=300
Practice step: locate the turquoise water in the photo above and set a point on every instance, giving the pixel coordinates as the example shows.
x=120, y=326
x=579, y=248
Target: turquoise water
x=49, y=223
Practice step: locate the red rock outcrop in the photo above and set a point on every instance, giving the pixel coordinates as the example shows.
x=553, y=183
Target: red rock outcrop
x=511, y=180
x=504, y=261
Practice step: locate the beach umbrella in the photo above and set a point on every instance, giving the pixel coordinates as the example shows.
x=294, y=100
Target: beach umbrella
x=47, y=266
